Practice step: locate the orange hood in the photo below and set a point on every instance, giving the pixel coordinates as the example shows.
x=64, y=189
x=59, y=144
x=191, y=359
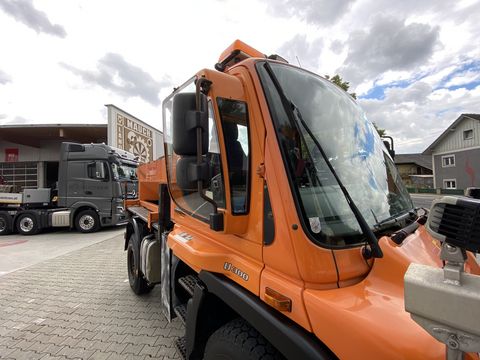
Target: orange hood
x=369, y=319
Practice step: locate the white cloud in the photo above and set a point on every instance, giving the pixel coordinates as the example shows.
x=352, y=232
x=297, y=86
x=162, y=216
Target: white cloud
x=466, y=77
x=4, y=78
x=318, y=12
x=114, y=73
x=299, y=50
x=23, y=11
x=389, y=45
x=131, y=54
x=416, y=115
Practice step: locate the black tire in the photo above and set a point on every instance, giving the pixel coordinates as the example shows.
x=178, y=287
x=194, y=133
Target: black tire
x=237, y=340
x=5, y=223
x=138, y=284
x=27, y=224
x=87, y=221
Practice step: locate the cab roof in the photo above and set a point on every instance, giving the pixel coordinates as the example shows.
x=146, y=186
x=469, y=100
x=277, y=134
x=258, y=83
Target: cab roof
x=239, y=51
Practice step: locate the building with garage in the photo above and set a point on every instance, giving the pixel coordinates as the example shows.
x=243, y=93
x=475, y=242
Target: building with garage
x=415, y=170
x=30, y=153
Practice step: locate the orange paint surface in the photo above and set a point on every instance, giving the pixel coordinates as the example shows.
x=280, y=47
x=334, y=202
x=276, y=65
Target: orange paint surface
x=354, y=307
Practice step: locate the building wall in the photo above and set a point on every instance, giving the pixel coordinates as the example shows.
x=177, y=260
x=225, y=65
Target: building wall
x=30, y=169
x=127, y=132
x=455, y=141
x=46, y=152
x=406, y=170
x=466, y=171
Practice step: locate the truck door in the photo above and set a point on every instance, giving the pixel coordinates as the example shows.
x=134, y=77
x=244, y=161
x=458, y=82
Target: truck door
x=98, y=187
x=230, y=151
x=88, y=182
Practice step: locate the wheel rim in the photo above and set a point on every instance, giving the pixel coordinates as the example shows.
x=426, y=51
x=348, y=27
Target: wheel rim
x=86, y=222
x=26, y=224
x=3, y=224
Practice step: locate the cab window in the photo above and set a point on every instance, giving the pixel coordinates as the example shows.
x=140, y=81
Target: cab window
x=234, y=119
x=97, y=170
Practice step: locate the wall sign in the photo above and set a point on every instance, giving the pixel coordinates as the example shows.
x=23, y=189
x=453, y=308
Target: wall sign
x=11, y=155
x=133, y=135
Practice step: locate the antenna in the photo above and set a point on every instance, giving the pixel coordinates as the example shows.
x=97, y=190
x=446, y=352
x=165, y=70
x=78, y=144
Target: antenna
x=296, y=57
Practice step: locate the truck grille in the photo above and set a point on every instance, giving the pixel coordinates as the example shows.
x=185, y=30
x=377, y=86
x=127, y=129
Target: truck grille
x=459, y=223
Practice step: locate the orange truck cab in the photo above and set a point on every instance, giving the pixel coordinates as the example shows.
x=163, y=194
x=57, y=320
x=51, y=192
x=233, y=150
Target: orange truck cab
x=276, y=224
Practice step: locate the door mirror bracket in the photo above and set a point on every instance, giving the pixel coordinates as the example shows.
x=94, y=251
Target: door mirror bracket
x=202, y=84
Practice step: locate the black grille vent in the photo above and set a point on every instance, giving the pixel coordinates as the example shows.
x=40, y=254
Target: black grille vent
x=459, y=223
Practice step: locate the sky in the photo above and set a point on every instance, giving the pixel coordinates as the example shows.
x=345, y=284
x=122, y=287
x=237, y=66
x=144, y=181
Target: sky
x=414, y=65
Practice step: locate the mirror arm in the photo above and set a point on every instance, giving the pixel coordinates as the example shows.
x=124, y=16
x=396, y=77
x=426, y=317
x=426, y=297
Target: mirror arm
x=390, y=147
x=206, y=84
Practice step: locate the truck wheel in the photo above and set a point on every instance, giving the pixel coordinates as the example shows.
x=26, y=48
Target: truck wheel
x=138, y=284
x=27, y=224
x=5, y=224
x=237, y=340
x=87, y=221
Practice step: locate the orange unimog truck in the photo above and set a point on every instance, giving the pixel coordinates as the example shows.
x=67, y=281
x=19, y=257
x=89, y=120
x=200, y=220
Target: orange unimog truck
x=276, y=224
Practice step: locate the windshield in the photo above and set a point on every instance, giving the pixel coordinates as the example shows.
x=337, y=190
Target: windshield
x=124, y=171
x=350, y=143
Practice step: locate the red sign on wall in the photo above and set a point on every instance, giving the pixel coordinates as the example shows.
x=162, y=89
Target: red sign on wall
x=11, y=155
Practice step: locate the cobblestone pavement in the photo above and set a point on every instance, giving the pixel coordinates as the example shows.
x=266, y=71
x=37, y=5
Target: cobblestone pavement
x=80, y=306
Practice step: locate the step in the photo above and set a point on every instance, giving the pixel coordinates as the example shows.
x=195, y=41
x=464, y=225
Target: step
x=140, y=211
x=188, y=283
x=181, y=345
x=181, y=311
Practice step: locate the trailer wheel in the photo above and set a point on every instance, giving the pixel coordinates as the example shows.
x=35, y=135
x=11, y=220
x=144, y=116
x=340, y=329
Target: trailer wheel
x=27, y=224
x=138, y=284
x=5, y=223
x=87, y=221
x=237, y=340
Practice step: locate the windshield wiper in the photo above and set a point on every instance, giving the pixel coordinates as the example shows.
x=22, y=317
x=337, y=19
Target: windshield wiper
x=397, y=219
x=293, y=114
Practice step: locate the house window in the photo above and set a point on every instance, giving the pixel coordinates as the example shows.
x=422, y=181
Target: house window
x=448, y=160
x=468, y=134
x=450, y=184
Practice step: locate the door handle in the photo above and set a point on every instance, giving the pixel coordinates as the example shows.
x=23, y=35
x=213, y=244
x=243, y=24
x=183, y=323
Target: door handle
x=88, y=192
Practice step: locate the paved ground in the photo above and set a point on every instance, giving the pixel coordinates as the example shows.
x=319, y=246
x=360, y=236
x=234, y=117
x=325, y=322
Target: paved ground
x=79, y=306
x=17, y=251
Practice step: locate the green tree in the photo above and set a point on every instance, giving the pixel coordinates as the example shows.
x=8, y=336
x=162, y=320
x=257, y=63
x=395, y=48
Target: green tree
x=345, y=85
x=381, y=132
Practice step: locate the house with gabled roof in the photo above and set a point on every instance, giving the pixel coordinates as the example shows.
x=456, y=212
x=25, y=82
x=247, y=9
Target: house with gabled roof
x=456, y=154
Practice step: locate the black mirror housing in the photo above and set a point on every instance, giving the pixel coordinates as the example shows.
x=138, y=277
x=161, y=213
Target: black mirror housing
x=186, y=121
x=189, y=173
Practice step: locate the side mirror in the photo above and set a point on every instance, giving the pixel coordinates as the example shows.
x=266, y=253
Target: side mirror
x=189, y=173
x=186, y=123
x=388, y=142
x=190, y=142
